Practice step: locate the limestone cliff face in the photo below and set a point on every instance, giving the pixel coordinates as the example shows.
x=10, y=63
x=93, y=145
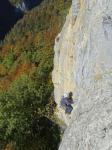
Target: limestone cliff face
x=83, y=64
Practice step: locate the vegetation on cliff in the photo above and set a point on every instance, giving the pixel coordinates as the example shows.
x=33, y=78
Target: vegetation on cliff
x=26, y=63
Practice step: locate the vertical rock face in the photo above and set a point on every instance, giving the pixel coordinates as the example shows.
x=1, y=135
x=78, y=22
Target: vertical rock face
x=83, y=65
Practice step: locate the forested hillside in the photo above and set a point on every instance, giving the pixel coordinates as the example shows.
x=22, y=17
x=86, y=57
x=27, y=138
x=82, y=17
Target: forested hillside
x=26, y=63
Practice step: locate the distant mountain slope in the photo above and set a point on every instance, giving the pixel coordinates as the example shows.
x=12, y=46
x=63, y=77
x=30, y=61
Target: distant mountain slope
x=8, y=17
x=11, y=14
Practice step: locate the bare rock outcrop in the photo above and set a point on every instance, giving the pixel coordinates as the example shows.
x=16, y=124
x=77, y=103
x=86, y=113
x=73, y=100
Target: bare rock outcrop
x=83, y=65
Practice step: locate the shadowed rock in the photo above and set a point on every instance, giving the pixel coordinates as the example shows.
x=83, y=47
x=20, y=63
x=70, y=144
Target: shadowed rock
x=26, y=5
x=8, y=17
x=10, y=14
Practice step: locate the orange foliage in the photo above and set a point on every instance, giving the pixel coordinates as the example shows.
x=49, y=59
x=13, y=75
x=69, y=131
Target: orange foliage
x=21, y=69
x=9, y=147
x=5, y=49
x=24, y=68
x=51, y=33
x=37, y=40
x=2, y=70
x=4, y=84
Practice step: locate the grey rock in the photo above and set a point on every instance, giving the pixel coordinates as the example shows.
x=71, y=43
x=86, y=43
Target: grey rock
x=26, y=5
x=83, y=65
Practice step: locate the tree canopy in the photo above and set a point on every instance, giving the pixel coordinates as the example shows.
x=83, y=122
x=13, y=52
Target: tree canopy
x=26, y=63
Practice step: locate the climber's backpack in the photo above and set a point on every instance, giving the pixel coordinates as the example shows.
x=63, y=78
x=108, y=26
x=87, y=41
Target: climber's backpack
x=63, y=102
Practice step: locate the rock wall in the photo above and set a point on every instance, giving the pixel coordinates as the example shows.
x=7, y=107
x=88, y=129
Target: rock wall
x=83, y=65
x=26, y=5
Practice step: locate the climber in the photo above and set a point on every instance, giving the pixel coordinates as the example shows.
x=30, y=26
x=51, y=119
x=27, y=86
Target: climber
x=69, y=107
x=66, y=102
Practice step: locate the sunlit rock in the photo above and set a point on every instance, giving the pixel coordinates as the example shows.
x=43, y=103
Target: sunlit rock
x=83, y=65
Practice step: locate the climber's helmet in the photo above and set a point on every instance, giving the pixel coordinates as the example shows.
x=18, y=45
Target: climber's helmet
x=70, y=94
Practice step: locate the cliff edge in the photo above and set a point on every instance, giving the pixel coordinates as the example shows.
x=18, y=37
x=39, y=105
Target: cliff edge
x=83, y=65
